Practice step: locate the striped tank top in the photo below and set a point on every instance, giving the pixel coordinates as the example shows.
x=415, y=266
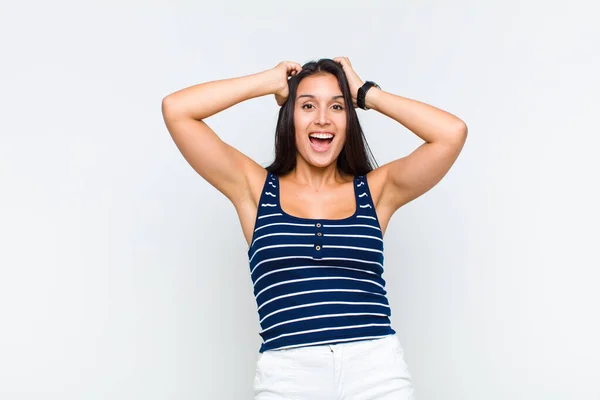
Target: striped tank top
x=318, y=281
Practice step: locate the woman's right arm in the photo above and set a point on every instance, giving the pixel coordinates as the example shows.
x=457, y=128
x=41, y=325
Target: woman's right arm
x=224, y=167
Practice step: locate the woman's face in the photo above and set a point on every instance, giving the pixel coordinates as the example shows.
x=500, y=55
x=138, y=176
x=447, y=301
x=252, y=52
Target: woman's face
x=320, y=119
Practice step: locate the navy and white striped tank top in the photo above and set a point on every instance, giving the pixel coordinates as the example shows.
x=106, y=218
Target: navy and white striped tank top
x=318, y=281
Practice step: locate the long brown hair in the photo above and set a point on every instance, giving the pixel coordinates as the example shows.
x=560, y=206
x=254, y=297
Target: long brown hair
x=354, y=159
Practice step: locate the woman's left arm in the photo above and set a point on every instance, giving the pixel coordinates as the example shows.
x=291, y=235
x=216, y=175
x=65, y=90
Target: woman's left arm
x=444, y=134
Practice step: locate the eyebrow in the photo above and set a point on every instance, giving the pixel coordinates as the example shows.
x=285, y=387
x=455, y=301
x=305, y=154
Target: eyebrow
x=312, y=96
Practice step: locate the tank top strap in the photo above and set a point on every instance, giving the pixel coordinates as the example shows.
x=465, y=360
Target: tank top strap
x=269, y=198
x=364, y=201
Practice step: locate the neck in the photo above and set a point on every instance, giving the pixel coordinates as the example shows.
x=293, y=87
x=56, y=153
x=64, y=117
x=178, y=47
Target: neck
x=317, y=177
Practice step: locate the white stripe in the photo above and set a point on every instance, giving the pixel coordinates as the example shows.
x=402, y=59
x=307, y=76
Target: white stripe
x=271, y=183
x=362, y=194
x=365, y=206
x=268, y=205
x=350, y=226
x=313, y=266
x=360, y=184
x=317, y=317
x=277, y=259
x=282, y=234
x=324, y=329
x=352, y=259
x=317, y=291
x=282, y=223
x=270, y=194
x=358, y=236
x=362, y=303
x=330, y=341
x=269, y=215
x=279, y=245
x=352, y=248
x=318, y=278
x=366, y=216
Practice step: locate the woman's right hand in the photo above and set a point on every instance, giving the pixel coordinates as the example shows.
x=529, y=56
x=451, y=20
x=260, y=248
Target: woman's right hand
x=282, y=72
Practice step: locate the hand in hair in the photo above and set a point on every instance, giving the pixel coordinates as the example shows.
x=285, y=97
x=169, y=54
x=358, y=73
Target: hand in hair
x=282, y=72
x=353, y=80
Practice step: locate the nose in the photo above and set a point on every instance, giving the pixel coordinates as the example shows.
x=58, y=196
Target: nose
x=322, y=116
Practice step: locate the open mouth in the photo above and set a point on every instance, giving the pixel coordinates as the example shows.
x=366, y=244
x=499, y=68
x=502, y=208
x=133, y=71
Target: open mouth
x=321, y=141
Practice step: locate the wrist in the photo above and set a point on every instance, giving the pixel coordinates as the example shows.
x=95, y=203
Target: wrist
x=371, y=98
x=362, y=92
x=272, y=81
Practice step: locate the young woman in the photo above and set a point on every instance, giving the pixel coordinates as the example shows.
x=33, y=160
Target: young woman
x=315, y=218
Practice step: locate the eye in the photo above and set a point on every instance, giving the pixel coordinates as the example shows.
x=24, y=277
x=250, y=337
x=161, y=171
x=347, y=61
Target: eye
x=307, y=104
x=339, y=107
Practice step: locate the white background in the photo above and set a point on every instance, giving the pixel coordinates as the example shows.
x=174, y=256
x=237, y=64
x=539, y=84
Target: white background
x=123, y=274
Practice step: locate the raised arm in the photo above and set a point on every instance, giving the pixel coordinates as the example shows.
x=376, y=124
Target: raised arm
x=444, y=134
x=223, y=166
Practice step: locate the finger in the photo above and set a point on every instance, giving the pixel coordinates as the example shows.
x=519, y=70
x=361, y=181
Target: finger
x=292, y=67
x=292, y=64
x=344, y=63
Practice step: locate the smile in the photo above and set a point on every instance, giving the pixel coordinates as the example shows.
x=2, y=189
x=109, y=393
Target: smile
x=321, y=141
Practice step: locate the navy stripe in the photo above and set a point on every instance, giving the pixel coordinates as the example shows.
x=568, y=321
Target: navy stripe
x=318, y=281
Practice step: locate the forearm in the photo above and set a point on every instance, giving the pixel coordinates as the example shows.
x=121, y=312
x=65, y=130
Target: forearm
x=206, y=99
x=428, y=122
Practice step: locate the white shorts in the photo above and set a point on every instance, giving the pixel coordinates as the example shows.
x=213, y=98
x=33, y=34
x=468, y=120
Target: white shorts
x=362, y=370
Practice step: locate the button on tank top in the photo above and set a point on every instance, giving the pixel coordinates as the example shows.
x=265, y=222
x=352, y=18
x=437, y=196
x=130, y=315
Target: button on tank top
x=318, y=281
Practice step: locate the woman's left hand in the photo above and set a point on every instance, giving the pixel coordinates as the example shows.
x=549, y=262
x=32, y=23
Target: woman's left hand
x=353, y=80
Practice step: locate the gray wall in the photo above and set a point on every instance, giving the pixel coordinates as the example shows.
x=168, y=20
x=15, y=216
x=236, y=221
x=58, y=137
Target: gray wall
x=123, y=275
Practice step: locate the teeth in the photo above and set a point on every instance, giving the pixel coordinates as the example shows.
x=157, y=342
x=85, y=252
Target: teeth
x=321, y=135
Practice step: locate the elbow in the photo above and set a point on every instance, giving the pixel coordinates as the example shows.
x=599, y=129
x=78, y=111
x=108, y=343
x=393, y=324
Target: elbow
x=168, y=106
x=461, y=128
x=167, y=103
x=460, y=131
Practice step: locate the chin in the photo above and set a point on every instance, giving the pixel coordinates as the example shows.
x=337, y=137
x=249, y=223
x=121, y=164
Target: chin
x=319, y=161
x=322, y=165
